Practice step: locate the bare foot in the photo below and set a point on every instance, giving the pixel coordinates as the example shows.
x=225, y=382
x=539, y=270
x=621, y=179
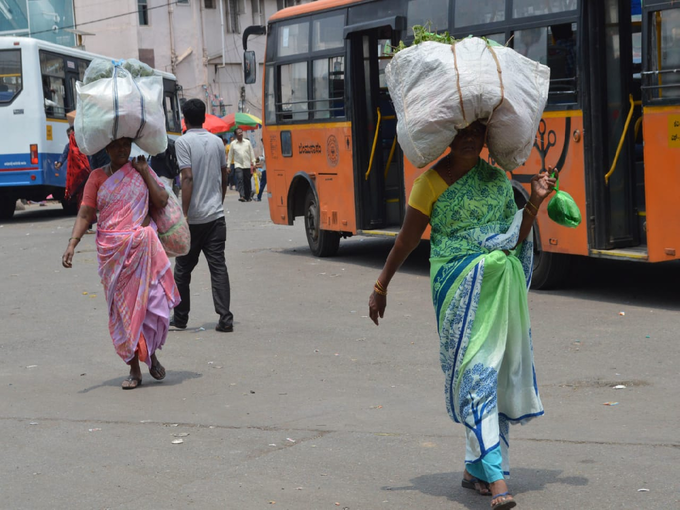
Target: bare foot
x=480, y=486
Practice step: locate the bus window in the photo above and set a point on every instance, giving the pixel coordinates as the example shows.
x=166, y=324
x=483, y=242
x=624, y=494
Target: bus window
x=54, y=84
x=524, y=8
x=269, y=98
x=293, y=39
x=327, y=33
x=554, y=46
x=10, y=75
x=293, y=87
x=480, y=12
x=82, y=65
x=433, y=13
x=533, y=44
x=329, y=87
x=172, y=122
x=499, y=38
x=665, y=55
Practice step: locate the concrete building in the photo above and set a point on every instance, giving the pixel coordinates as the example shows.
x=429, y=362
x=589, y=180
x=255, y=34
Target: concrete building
x=199, y=41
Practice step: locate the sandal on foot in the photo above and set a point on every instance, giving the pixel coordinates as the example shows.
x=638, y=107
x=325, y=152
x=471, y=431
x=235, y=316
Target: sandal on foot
x=157, y=372
x=506, y=504
x=132, y=383
x=471, y=484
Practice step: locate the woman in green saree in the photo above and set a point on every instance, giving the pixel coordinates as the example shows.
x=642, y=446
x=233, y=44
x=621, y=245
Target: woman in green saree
x=480, y=269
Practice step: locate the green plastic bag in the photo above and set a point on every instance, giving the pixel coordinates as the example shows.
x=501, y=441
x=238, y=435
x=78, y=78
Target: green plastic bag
x=562, y=209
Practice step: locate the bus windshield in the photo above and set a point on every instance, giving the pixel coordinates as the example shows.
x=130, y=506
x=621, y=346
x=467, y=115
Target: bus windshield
x=10, y=75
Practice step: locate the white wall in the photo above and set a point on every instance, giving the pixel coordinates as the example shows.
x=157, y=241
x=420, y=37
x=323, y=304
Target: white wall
x=195, y=28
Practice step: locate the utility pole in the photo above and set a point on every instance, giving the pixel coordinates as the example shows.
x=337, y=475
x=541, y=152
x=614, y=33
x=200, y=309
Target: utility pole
x=242, y=100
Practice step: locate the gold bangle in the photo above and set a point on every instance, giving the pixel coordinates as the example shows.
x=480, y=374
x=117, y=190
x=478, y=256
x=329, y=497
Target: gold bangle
x=379, y=292
x=529, y=202
x=379, y=285
x=530, y=213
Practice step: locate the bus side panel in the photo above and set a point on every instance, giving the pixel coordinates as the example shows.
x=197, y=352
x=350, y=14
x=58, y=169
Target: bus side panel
x=555, y=140
x=277, y=185
x=26, y=116
x=328, y=153
x=661, y=130
x=324, y=153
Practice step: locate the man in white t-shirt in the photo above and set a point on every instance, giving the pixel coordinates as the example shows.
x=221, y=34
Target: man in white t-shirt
x=203, y=163
x=242, y=160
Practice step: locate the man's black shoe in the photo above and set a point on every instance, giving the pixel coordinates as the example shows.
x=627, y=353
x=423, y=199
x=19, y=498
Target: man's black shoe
x=224, y=329
x=178, y=325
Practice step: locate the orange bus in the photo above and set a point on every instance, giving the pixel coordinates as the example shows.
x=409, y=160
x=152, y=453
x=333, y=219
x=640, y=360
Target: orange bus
x=611, y=126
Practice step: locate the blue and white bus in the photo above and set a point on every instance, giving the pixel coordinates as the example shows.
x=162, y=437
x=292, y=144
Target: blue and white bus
x=37, y=91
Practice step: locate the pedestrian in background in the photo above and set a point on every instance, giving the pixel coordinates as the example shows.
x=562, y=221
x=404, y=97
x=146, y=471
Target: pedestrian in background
x=165, y=165
x=242, y=159
x=64, y=155
x=263, y=179
x=203, y=164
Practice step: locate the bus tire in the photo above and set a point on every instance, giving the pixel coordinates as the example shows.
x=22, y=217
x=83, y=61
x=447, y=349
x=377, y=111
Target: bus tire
x=322, y=243
x=550, y=269
x=7, y=207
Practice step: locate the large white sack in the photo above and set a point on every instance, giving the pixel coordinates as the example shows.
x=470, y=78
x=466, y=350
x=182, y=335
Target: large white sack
x=118, y=107
x=438, y=89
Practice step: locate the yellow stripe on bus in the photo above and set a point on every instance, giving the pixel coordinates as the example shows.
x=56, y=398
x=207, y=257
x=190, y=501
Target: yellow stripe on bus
x=65, y=121
x=562, y=114
x=660, y=109
x=298, y=127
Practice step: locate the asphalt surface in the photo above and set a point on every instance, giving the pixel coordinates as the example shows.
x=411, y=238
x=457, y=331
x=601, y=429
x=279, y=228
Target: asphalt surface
x=308, y=405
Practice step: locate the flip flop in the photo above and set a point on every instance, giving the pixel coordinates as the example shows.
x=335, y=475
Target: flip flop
x=503, y=505
x=155, y=373
x=131, y=380
x=470, y=484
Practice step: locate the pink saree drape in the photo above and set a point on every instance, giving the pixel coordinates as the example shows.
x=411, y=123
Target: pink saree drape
x=135, y=271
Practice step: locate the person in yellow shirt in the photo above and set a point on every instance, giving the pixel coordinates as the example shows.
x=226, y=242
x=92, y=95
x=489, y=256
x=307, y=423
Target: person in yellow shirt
x=242, y=160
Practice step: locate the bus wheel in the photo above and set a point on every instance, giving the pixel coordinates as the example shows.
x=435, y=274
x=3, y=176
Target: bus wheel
x=7, y=207
x=323, y=243
x=550, y=269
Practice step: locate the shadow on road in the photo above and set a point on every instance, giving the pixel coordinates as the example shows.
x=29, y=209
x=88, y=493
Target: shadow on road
x=37, y=214
x=172, y=378
x=626, y=283
x=447, y=485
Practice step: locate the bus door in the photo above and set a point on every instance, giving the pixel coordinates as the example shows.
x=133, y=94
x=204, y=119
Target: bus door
x=377, y=158
x=614, y=106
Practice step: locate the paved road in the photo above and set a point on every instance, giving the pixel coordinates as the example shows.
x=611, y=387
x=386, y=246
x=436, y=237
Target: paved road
x=308, y=405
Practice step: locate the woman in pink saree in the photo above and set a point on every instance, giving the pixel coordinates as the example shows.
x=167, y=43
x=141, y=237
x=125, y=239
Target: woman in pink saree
x=134, y=269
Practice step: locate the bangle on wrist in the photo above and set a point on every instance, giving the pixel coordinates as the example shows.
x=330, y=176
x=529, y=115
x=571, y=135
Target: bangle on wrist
x=532, y=214
x=530, y=203
x=379, y=291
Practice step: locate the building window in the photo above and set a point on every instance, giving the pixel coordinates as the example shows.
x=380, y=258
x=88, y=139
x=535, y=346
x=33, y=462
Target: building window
x=209, y=4
x=143, y=10
x=282, y=4
x=257, y=6
x=232, y=16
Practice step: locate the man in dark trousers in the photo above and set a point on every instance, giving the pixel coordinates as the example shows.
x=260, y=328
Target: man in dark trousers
x=201, y=159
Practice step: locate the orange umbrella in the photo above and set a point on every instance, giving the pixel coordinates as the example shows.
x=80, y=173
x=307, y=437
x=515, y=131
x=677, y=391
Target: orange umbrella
x=212, y=123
